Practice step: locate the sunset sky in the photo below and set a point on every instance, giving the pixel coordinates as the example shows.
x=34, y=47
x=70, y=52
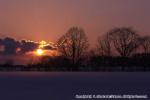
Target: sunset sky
x=48, y=19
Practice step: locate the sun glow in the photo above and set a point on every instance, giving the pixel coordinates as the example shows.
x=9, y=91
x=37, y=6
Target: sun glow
x=42, y=44
x=39, y=52
x=45, y=49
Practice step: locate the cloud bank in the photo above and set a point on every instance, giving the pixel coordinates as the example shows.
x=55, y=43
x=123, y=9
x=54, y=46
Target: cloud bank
x=10, y=46
x=22, y=52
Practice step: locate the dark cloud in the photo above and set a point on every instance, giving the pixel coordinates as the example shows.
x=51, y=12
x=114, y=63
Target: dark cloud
x=0, y=41
x=27, y=46
x=14, y=47
x=49, y=47
x=10, y=46
x=19, y=51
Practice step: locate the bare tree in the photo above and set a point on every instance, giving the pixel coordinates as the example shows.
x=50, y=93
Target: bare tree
x=104, y=45
x=125, y=40
x=73, y=44
x=145, y=43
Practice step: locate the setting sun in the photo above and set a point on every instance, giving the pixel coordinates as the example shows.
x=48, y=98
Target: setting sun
x=40, y=52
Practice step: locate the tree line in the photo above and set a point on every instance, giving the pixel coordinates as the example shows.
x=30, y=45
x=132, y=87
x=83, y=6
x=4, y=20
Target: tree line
x=119, y=49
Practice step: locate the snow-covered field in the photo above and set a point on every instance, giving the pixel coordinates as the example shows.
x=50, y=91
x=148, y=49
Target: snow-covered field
x=64, y=86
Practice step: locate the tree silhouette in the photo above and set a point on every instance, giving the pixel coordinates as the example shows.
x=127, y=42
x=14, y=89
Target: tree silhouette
x=104, y=45
x=145, y=43
x=125, y=40
x=73, y=44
